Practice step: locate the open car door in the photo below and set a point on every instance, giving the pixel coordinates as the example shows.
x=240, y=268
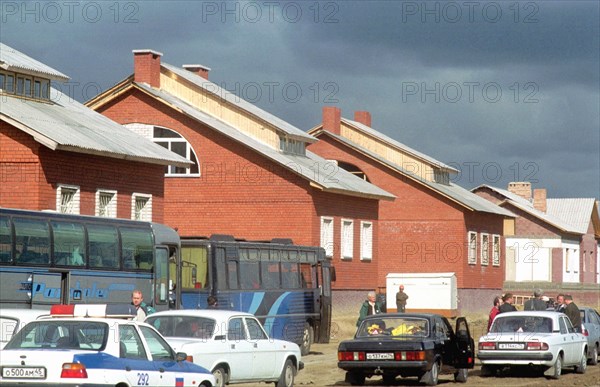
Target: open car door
x=466, y=347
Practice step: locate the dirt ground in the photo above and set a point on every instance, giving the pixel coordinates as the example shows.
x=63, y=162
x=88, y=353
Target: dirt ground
x=320, y=366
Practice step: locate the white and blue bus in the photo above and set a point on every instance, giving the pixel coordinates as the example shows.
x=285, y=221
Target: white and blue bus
x=287, y=286
x=48, y=258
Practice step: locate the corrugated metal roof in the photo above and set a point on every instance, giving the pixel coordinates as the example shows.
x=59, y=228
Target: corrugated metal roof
x=452, y=191
x=311, y=167
x=527, y=206
x=398, y=145
x=66, y=124
x=14, y=60
x=573, y=211
x=213, y=88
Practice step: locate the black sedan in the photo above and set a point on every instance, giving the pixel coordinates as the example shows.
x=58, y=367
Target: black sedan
x=407, y=344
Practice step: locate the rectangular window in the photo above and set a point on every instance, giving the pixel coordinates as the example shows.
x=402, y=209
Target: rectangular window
x=67, y=199
x=45, y=89
x=104, y=249
x=9, y=86
x=567, y=263
x=5, y=240
x=347, y=238
x=2, y=81
x=327, y=236
x=20, y=85
x=69, y=244
x=28, y=90
x=472, y=243
x=32, y=241
x=496, y=250
x=366, y=240
x=485, y=249
x=106, y=203
x=37, y=89
x=141, y=207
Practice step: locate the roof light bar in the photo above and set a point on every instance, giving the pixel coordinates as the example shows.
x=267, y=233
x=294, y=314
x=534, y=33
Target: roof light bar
x=96, y=310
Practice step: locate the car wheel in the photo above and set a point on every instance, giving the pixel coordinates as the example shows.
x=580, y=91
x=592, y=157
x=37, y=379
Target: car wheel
x=220, y=376
x=287, y=374
x=355, y=378
x=307, y=339
x=594, y=359
x=557, y=368
x=461, y=375
x=582, y=366
x=431, y=377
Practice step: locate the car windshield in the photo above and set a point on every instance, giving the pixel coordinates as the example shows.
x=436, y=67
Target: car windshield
x=183, y=326
x=49, y=334
x=511, y=324
x=394, y=326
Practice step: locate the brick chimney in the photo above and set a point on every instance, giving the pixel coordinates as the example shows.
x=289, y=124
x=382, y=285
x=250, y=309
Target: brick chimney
x=363, y=117
x=146, y=67
x=539, y=199
x=332, y=117
x=198, y=70
x=521, y=188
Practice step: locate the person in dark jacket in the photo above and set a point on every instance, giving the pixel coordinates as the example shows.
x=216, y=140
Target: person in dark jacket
x=572, y=311
x=494, y=312
x=507, y=304
x=401, y=298
x=212, y=302
x=535, y=303
x=369, y=307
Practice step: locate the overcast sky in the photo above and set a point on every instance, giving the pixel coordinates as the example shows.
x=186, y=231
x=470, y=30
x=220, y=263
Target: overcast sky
x=503, y=91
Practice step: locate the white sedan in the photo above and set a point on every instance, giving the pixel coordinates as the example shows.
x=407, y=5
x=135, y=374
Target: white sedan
x=233, y=345
x=75, y=351
x=543, y=340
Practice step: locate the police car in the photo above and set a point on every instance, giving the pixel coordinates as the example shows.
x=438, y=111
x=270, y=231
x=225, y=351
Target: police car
x=80, y=346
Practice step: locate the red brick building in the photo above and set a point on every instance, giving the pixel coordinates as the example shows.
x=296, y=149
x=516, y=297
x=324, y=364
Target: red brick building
x=253, y=177
x=56, y=154
x=433, y=226
x=555, y=245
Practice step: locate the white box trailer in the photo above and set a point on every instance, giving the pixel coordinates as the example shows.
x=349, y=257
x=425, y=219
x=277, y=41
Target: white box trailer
x=427, y=292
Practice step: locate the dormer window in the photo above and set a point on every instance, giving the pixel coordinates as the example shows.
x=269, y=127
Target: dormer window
x=441, y=177
x=24, y=85
x=291, y=146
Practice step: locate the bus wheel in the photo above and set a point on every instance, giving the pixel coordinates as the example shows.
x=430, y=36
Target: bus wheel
x=307, y=339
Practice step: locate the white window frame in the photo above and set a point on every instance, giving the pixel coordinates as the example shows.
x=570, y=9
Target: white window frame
x=327, y=235
x=485, y=249
x=146, y=213
x=347, y=238
x=366, y=241
x=472, y=248
x=74, y=204
x=111, y=207
x=496, y=249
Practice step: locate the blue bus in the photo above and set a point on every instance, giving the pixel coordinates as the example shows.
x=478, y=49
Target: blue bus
x=48, y=258
x=287, y=286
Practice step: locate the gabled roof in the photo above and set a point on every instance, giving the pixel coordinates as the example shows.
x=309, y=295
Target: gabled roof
x=576, y=212
x=13, y=60
x=65, y=124
x=311, y=167
x=452, y=191
x=396, y=144
x=527, y=206
x=240, y=103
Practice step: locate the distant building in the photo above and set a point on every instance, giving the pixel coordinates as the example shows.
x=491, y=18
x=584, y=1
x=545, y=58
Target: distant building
x=555, y=244
x=253, y=176
x=56, y=154
x=434, y=225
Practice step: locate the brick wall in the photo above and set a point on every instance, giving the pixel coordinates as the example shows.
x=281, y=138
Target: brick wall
x=30, y=174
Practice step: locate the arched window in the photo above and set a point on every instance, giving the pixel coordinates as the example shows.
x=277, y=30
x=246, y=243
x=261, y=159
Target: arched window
x=353, y=169
x=176, y=143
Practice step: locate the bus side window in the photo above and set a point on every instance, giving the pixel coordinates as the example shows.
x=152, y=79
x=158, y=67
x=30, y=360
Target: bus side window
x=32, y=241
x=5, y=240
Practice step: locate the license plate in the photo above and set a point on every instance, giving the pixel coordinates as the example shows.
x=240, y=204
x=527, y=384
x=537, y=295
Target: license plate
x=380, y=356
x=24, y=372
x=511, y=346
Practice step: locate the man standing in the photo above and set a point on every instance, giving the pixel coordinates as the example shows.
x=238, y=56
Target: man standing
x=560, y=303
x=494, y=312
x=401, y=298
x=535, y=303
x=572, y=311
x=143, y=310
x=507, y=304
x=369, y=307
